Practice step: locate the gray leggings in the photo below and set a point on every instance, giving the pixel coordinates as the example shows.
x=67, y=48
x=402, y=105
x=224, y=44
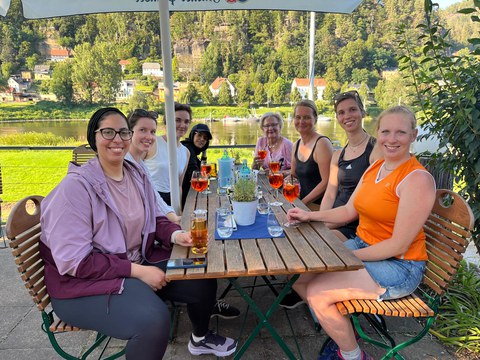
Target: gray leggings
x=139, y=315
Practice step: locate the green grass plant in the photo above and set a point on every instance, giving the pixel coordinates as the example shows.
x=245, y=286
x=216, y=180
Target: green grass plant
x=32, y=172
x=37, y=139
x=458, y=322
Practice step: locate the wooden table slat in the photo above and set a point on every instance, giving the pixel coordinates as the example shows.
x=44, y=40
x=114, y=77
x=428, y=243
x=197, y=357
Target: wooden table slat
x=253, y=258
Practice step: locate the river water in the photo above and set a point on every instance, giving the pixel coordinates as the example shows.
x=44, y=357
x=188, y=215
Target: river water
x=224, y=133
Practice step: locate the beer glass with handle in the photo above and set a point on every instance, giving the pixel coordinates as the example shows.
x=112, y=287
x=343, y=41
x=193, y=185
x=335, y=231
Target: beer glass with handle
x=291, y=191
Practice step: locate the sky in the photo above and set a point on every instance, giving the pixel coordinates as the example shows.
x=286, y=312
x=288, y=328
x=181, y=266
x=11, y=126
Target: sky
x=445, y=3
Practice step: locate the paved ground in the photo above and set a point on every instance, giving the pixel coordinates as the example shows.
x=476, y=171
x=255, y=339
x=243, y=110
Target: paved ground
x=21, y=337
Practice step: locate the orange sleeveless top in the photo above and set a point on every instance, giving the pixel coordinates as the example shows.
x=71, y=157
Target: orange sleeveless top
x=377, y=203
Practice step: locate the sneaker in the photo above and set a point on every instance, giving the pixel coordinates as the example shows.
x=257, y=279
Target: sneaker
x=291, y=301
x=327, y=354
x=225, y=310
x=329, y=350
x=212, y=344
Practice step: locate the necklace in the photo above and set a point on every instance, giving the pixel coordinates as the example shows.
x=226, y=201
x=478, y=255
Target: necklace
x=354, y=147
x=272, y=147
x=386, y=168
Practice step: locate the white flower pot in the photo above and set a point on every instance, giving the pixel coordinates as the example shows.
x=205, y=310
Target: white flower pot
x=244, y=212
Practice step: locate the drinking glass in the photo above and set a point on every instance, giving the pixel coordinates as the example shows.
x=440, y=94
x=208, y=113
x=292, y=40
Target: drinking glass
x=199, y=231
x=224, y=223
x=274, y=165
x=262, y=154
x=276, y=181
x=199, y=182
x=206, y=169
x=262, y=207
x=274, y=228
x=291, y=191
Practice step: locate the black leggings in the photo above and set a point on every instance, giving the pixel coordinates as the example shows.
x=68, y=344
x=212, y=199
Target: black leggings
x=139, y=315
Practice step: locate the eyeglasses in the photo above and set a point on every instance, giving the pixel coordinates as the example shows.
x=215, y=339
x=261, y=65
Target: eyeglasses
x=270, y=126
x=109, y=133
x=145, y=113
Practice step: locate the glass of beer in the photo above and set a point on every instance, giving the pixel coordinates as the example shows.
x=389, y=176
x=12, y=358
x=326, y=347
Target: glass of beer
x=291, y=191
x=199, y=182
x=199, y=231
x=276, y=182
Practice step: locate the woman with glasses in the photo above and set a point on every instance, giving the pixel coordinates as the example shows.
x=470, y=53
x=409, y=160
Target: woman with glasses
x=390, y=239
x=143, y=123
x=156, y=160
x=349, y=163
x=277, y=146
x=105, y=245
x=312, y=155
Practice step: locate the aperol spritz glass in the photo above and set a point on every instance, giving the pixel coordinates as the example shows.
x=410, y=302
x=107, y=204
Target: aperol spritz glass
x=199, y=181
x=291, y=191
x=276, y=181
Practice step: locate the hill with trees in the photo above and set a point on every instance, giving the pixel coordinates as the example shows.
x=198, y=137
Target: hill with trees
x=260, y=52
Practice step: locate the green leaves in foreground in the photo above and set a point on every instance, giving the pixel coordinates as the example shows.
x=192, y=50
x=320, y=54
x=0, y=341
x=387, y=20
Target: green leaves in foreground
x=458, y=322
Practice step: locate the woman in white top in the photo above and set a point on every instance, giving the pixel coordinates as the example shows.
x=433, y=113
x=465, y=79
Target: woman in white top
x=156, y=159
x=143, y=123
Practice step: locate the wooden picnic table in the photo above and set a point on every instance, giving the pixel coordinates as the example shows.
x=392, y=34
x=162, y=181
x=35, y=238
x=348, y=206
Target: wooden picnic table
x=311, y=247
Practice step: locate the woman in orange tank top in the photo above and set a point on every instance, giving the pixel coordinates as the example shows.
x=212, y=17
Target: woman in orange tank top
x=390, y=240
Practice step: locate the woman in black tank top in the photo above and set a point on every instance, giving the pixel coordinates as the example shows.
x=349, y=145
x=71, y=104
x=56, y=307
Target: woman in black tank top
x=349, y=163
x=313, y=151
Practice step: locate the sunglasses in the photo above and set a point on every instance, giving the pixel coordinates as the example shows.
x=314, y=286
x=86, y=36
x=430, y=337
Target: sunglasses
x=145, y=113
x=346, y=95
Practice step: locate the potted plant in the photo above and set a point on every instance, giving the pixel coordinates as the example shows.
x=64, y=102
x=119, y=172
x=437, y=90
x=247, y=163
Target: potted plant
x=244, y=201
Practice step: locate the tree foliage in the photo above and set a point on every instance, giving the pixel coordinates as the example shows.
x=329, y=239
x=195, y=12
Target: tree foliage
x=61, y=83
x=448, y=89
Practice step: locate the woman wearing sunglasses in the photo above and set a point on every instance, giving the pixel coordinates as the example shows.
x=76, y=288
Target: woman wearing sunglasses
x=349, y=163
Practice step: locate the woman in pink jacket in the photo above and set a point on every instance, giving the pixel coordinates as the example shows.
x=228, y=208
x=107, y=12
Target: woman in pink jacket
x=105, y=246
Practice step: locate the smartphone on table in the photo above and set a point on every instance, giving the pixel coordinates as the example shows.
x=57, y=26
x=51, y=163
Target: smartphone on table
x=186, y=263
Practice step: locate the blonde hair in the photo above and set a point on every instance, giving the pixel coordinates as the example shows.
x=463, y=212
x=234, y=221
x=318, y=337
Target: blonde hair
x=400, y=109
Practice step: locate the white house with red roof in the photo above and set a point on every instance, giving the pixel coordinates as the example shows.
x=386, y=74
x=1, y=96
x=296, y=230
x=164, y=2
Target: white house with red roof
x=303, y=85
x=60, y=54
x=217, y=84
x=123, y=64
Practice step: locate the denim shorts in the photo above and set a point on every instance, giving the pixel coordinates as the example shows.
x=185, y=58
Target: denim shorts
x=399, y=277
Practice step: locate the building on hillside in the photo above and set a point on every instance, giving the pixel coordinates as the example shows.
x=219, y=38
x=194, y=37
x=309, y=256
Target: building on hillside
x=217, y=84
x=6, y=94
x=18, y=84
x=160, y=91
x=189, y=54
x=127, y=88
x=60, y=54
x=302, y=85
x=152, y=69
x=123, y=64
x=27, y=75
x=42, y=72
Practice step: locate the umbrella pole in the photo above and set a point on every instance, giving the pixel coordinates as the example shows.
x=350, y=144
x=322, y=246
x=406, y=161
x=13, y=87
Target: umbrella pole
x=169, y=103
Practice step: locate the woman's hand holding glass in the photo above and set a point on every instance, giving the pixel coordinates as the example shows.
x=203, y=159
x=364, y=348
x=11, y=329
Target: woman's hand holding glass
x=183, y=239
x=297, y=214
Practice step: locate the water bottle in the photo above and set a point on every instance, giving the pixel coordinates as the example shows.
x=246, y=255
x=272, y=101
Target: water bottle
x=244, y=172
x=225, y=170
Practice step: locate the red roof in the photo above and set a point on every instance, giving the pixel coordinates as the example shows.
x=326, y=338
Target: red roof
x=217, y=83
x=60, y=52
x=301, y=82
x=124, y=62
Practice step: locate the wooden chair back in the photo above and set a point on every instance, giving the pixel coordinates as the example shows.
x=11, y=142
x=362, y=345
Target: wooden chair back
x=81, y=154
x=448, y=231
x=23, y=230
x=1, y=182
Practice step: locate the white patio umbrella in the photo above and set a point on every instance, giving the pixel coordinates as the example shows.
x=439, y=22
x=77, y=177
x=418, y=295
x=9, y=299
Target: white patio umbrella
x=36, y=9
